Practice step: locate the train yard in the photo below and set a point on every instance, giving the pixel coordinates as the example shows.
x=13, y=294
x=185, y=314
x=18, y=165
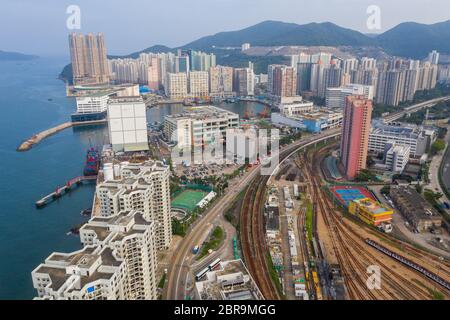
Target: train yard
x=339, y=245
x=354, y=255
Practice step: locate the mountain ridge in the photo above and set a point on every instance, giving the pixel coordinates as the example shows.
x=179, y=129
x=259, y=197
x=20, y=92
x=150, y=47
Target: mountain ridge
x=408, y=39
x=15, y=56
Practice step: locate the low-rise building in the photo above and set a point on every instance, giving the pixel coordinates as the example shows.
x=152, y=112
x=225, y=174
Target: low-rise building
x=231, y=281
x=291, y=107
x=418, y=138
x=314, y=121
x=414, y=208
x=370, y=211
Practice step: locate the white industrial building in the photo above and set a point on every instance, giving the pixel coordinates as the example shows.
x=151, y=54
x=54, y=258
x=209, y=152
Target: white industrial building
x=231, y=281
x=418, y=138
x=396, y=157
x=198, y=126
x=93, y=103
x=335, y=97
x=311, y=121
x=127, y=123
x=295, y=107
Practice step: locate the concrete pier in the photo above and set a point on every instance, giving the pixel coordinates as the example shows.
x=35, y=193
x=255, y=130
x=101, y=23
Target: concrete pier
x=29, y=143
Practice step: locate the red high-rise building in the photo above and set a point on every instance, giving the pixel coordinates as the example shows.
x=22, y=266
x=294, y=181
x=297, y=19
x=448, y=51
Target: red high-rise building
x=355, y=134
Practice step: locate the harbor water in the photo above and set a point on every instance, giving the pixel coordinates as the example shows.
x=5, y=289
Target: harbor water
x=32, y=99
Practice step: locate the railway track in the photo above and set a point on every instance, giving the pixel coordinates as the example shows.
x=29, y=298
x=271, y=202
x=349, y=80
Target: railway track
x=354, y=256
x=253, y=242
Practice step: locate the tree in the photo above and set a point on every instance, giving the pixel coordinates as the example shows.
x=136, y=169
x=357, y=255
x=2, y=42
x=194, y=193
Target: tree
x=437, y=146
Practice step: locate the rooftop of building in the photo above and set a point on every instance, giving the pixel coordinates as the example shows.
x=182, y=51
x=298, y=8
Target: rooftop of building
x=231, y=281
x=127, y=99
x=414, y=202
x=372, y=206
x=399, y=129
x=56, y=266
x=202, y=113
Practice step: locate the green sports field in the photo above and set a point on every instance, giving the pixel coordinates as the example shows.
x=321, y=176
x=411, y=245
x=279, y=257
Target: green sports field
x=188, y=199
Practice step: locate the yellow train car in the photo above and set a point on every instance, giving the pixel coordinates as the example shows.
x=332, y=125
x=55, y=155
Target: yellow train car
x=317, y=286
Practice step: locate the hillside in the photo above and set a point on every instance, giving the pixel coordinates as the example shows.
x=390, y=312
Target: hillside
x=415, y=40
x=274, y=33
x=15, y=56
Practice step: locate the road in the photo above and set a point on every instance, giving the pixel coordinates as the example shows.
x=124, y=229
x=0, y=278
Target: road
x=435, y=164
x=182, y=260
x=414, y=108
x=434, y=168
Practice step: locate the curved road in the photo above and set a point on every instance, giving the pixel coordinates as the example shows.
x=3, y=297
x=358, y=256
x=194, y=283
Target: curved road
x=182, y=260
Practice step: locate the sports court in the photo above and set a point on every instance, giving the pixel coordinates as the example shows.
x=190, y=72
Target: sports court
x=188, y=199
x=346, y=194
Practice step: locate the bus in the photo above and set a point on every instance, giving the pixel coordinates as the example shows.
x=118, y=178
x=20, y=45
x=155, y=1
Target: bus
x=201, y=274
x=214, y=264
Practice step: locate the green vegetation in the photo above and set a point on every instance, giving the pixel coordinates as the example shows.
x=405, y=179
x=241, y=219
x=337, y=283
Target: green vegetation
x=379, y=109
x=437, y=146
x=179, y=228
x=309, y=219
x=237, y=59
x=232, y=212
x=289, y=139
x=274, y=274
x=366, y=176
x=438, y=111
x=436, y=295
x=425, y=173
x=432, y=198
x=264, y=124
x=162, y=281
x=386, y=190
x=214, y=242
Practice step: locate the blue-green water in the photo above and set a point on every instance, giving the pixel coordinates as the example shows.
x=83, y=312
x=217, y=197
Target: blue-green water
x=29, y=235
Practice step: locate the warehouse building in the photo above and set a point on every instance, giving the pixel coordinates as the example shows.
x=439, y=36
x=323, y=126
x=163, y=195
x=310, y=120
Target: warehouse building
x=414, y=208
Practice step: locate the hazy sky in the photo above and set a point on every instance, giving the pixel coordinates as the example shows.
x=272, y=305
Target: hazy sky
x=39, y=26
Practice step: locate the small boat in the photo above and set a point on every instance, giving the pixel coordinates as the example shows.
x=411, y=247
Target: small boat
x=92, y=163
x=86, y=212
